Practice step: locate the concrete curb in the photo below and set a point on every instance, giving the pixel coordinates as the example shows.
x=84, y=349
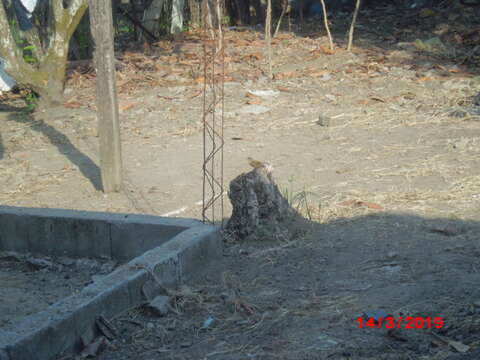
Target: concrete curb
x=47, y=334
x=58, y=232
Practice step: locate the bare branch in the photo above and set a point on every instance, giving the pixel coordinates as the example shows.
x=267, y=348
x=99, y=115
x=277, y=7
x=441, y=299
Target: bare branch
x=58, y=11
x=325, y=21
x=76, y=10
x=76, y=5
x=284, y=10
x=352, y=25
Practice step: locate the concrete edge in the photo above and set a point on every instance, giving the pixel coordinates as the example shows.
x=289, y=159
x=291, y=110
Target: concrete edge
x=47, y=334
x=95, y=215
x=119, y=237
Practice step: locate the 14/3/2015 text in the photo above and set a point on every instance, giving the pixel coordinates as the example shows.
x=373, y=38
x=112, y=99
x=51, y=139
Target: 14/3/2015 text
x=408, y=322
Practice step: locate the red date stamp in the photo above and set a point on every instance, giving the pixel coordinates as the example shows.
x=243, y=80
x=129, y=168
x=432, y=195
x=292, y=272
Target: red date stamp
x=408, y=322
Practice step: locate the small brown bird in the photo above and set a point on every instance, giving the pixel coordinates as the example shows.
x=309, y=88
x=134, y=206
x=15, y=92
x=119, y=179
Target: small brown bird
x=256, y=164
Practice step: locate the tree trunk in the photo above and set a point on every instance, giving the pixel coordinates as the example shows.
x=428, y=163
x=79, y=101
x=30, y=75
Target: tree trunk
x=177, y=16
x=151, y=17
x=259, y=13
x=52, y=70
x=46, y=75
x=195, y=13
x=259, y=209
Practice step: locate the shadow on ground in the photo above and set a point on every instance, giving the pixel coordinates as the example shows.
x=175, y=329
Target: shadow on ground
x=301, y=299
x=86, y=165
x=2, y=148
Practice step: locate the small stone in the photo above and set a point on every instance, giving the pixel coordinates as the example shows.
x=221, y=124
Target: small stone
x=150, y=326
x=208, y=322
x=476, y=100
x=264, y=93
x=67, y=261
x=96, y=278
x=323, y=121
x=326, y=77
x=331, y=98
x=391, y=254
x=160, y=305
x=39, y=263
x=86, y=265
x=459, y=113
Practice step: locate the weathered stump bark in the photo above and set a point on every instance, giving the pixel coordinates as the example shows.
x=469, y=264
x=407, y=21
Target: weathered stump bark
x=259, y=209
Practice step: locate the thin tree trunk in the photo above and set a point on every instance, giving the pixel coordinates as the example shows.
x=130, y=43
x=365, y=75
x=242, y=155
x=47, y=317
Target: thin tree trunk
x=151, y=17
x=301, y=4
x=177, y=16
x=195, y=13
x=284, y=10
x=325, y=21
x=268, y=37
x=257, y=5
x=352, y=25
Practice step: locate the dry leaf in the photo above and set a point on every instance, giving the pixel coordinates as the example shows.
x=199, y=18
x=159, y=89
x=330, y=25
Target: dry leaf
x=460, y=347
x=371, y=205
x=408, y=95
x=96, y=347
x=379, y=99
x=72, y=104
x=250, y=95
x=439, y=67
x=425, y=78
x=106, y=328
x=427, y=13
x=348, y=203
x=359, y=203
x=318, y=73
x=327, y=51
x=437, y=343
x=253, y=56
x=286, y=75
x=253, y=99
x=256, y=101
x=454, y=70
x=127, y=106
x=446, y=230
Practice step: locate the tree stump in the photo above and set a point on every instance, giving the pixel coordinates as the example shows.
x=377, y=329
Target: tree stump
x=259, y=209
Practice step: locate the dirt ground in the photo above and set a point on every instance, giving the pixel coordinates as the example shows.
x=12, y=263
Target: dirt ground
x=45, y=280
x=378, y=148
